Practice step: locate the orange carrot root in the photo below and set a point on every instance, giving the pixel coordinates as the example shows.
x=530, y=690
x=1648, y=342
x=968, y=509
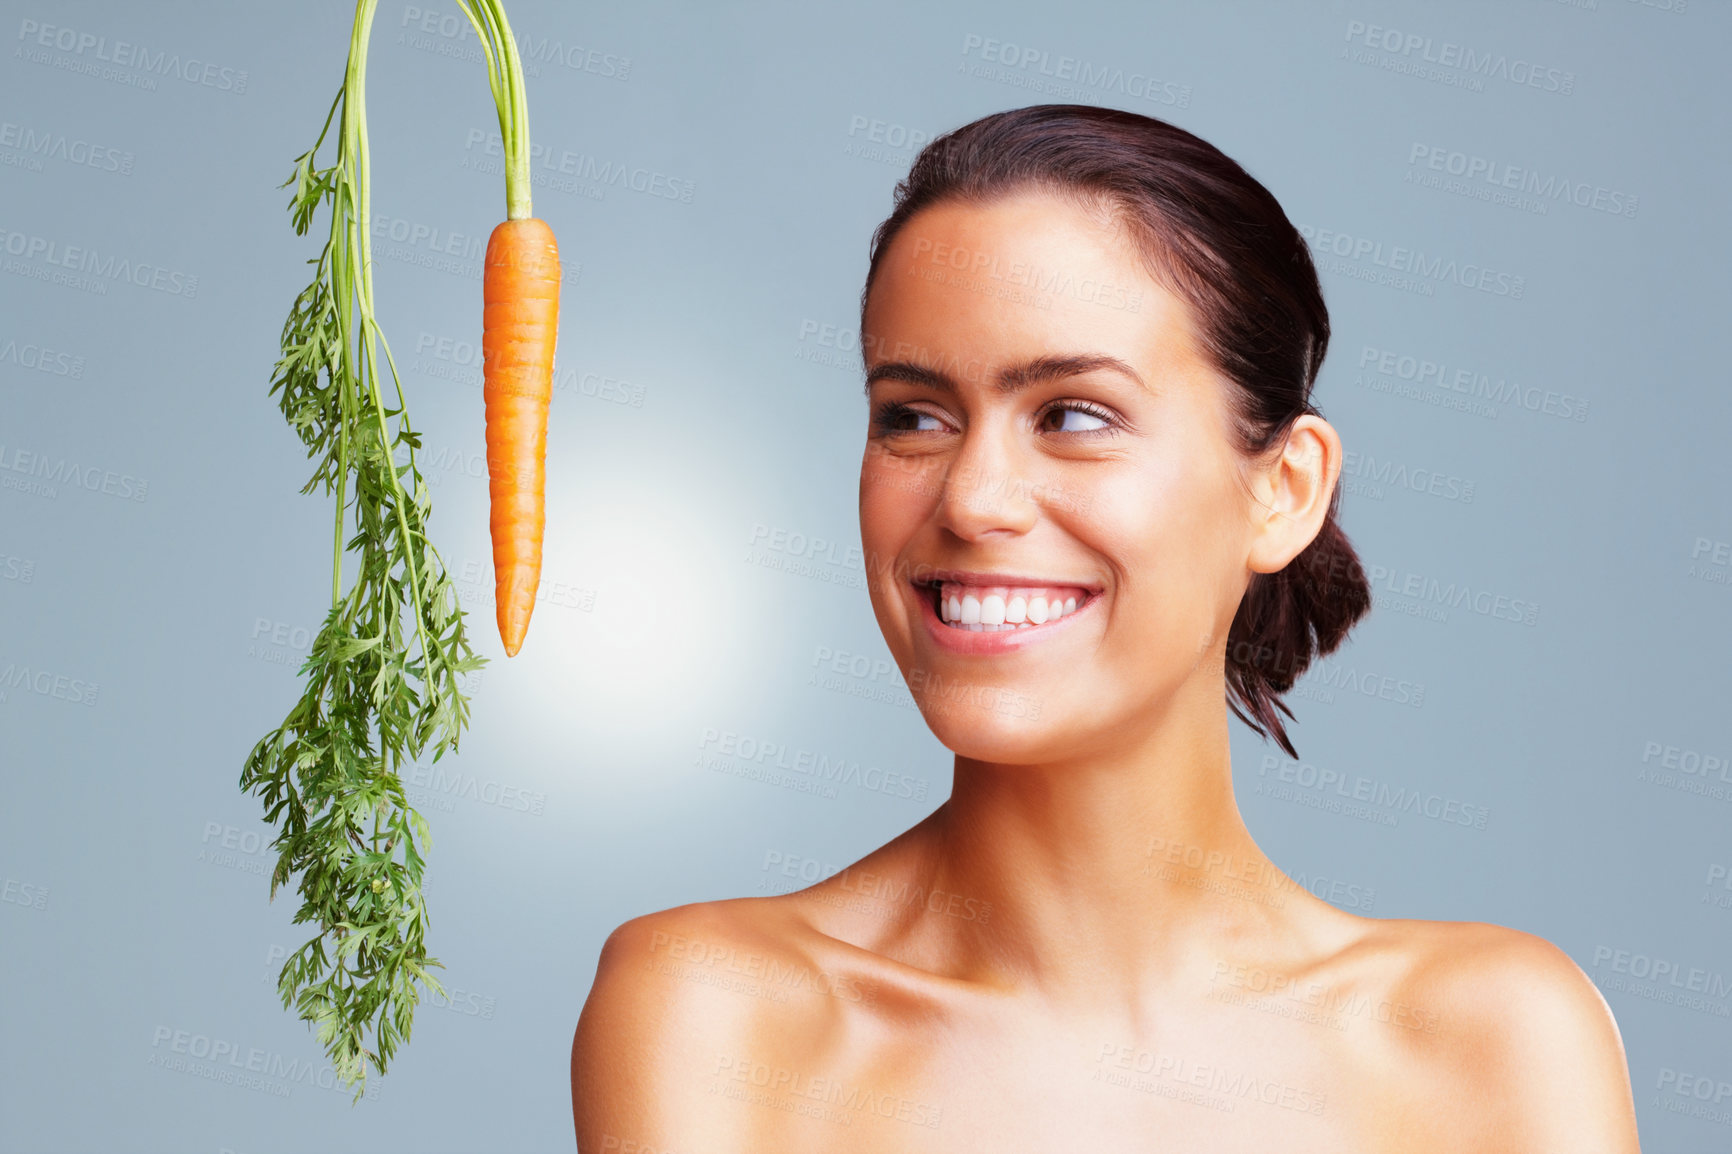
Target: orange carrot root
x=520, y=322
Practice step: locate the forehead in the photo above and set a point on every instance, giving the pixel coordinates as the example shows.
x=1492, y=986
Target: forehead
x=1029, y=274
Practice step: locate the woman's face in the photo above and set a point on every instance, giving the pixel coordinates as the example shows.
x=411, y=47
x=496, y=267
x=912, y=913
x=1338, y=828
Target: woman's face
x=1045, y=429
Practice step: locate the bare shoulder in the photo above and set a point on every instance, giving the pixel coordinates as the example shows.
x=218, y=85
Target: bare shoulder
x=1514, y=1042
x=682, y=1000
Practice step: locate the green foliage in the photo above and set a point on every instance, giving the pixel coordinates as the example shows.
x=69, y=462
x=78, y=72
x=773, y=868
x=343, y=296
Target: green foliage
x=382, y=679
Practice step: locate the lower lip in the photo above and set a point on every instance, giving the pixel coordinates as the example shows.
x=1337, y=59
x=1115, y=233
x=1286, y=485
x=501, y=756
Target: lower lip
x=983, y=643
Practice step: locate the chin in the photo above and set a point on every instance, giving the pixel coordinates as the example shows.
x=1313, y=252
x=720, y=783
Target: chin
x=991, y=723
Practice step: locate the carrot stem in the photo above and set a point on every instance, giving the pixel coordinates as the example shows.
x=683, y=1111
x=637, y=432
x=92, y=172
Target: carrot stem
x=505, y=78
x=356, y=177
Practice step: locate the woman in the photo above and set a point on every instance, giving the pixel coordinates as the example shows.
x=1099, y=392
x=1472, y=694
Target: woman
x=1098, y=508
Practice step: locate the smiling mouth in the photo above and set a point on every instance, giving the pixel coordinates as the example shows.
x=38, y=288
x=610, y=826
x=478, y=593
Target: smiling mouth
x=997, y=608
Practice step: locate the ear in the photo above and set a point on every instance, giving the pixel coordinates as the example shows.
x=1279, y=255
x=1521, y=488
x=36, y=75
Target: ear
x=1293, y=489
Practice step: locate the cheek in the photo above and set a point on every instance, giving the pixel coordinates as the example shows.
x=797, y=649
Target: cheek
x=896, y=495
x=1171, y=537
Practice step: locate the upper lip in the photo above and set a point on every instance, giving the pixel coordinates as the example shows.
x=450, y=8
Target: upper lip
x=930, y=576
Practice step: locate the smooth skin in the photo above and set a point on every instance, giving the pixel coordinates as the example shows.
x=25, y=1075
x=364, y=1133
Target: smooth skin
x=1082, y=948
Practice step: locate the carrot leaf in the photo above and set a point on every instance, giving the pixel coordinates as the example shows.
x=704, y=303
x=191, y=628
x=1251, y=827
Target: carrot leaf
x=382, y=680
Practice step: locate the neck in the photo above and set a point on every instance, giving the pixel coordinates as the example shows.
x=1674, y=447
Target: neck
x=1106, y=869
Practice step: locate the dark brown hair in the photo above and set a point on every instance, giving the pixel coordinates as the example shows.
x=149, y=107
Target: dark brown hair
x=1216, y=238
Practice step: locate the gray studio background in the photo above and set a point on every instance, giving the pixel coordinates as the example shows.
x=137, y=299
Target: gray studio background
x=1533, y=391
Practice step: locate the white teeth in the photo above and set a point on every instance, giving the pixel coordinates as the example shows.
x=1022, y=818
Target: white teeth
x=991, y=609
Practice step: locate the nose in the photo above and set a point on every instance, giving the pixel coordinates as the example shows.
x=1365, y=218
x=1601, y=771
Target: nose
x=987, y=490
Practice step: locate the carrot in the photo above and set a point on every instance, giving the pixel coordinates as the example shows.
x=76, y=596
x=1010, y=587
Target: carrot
x=519, y=325
x=520, y=321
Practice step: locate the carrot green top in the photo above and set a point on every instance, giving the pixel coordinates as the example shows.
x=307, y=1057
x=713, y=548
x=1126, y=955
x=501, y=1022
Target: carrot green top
x=505, y=76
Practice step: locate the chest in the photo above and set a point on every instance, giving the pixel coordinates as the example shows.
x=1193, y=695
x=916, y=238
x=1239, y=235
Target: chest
x=1214, y=1079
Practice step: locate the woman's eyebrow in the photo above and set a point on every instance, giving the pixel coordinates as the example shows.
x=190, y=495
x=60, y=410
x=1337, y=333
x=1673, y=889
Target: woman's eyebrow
x=1012, y=379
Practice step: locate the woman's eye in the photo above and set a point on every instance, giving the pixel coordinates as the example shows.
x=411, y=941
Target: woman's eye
x=902, y=419
x=1075, y=419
